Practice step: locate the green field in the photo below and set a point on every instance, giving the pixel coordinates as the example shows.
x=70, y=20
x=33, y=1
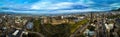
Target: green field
x=77, y=25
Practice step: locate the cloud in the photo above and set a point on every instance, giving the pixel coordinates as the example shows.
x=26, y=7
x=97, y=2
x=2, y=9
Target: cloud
x=80, y=4
x=65, y=6
x=49, y=5
x=60, y=5
x=117, y=5
x=37, y=12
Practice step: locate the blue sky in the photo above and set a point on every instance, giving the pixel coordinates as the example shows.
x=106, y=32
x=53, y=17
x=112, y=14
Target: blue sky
x=57, y=6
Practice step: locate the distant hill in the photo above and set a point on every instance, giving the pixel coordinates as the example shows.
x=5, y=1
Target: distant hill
x=116, y=9
x=12, y=13
x=9, y=13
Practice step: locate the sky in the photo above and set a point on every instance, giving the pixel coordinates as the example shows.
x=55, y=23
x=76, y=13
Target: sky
x=57, y=6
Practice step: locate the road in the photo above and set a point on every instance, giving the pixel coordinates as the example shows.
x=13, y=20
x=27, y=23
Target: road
x=80, y=30
x=40, y=35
